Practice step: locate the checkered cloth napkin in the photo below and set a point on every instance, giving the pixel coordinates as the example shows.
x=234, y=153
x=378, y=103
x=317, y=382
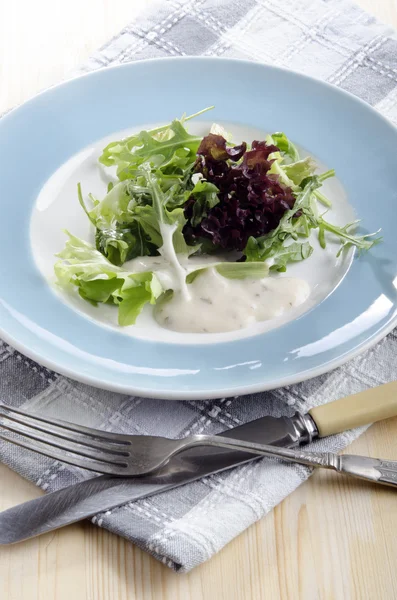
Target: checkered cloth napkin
x=331, y=40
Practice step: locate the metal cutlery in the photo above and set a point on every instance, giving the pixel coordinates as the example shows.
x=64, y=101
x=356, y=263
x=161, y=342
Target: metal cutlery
x=138, y=455
x=111, y=453
x=99, y=494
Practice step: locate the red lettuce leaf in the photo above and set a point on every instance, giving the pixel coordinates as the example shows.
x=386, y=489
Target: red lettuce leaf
x=214, y=147
x=251, y=202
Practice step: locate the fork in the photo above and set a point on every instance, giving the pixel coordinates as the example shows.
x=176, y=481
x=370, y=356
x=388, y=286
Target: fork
x=136, y=455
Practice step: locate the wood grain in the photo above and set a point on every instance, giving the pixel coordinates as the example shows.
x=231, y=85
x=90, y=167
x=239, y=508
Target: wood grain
x=333, y=539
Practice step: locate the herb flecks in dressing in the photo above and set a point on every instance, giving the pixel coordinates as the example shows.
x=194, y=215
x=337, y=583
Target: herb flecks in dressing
x=217, y=304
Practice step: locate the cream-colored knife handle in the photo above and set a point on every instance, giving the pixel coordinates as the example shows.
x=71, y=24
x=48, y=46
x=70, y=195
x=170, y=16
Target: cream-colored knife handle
x=360, y=409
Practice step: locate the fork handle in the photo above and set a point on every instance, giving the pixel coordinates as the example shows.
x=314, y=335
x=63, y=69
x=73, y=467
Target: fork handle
x=370, y=469
x=327, y=460
x=362, y=467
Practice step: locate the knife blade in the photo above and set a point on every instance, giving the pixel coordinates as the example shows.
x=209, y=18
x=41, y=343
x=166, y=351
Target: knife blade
x=99, y=494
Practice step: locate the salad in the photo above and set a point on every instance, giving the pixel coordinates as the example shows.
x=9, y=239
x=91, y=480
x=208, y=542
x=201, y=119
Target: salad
x=187, y=213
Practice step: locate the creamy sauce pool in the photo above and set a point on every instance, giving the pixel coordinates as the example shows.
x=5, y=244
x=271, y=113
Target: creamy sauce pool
x=215, y=304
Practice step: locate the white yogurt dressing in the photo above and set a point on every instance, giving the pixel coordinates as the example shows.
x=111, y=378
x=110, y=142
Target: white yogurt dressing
x=212, y=303
x=218, y=304
x=167, y=251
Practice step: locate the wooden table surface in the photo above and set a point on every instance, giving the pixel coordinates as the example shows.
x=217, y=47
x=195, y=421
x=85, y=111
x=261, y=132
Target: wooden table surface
x=331, y=539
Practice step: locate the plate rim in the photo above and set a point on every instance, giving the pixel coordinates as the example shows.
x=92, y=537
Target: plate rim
x=198, y=394
x=188, y=58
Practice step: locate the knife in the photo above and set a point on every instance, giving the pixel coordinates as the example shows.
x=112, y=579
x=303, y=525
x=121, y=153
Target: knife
x=88, y=498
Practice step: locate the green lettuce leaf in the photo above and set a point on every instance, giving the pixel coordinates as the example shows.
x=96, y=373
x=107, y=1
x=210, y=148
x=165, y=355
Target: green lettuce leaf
x=284, y=144
x=83, y=267
x=234, y=270
x=220, y=130
x=127, y=220
x=125, y=229
x=300, y=170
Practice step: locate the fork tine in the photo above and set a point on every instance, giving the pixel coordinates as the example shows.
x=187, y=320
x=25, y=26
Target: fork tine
x=113, y=438
x=91, y=437
x=48, y=443
x=84, y=463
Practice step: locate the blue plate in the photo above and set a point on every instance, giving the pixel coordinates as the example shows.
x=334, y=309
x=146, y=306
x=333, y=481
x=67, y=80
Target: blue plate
x=38, y=137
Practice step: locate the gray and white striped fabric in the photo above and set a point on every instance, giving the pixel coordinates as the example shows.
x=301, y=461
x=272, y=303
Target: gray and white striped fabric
x=331, y=40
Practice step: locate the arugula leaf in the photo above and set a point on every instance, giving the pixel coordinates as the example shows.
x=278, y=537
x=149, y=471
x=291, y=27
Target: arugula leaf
x=205, y=196
x=319, y=195
x=323, y=199
x=120, y=244
x=83, y=267
x=272, y=243
x=298, y=222
x=159, y=198
x=83, y=206
x=124, y=229
x=163, y=153
x=160, y=202
x=326, y=175
x=170, y=148
x=347, y=239
x=294, y=252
